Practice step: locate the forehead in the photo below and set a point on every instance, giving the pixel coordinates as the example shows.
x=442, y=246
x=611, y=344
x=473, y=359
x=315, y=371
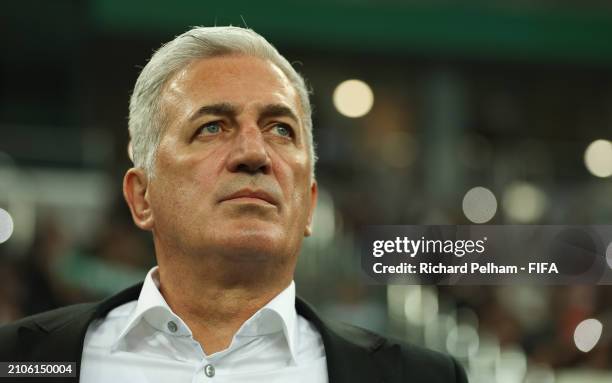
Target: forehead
x=236, y=79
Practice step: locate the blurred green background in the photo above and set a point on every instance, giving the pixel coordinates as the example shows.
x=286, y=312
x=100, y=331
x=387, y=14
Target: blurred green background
x=509, y=96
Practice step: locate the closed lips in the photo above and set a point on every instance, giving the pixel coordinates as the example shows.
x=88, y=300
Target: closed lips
x=257, y=194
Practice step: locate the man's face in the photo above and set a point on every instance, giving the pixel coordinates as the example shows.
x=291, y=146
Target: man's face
x=233, y=171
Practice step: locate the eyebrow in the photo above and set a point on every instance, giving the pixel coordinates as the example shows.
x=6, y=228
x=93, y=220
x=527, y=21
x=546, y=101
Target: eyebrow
x=277, y=110
x=231, y=111
x=222, y=109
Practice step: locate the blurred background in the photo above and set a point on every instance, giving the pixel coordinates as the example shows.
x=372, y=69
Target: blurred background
x=425, y=112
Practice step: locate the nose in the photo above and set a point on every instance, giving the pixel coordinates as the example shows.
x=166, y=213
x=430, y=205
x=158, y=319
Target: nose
x=248, y=153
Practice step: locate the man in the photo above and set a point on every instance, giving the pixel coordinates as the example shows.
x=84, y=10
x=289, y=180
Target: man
x=223, y=176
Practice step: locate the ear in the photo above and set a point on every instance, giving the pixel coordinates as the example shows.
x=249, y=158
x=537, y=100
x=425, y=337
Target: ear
x=135, y=192
x=313, y=205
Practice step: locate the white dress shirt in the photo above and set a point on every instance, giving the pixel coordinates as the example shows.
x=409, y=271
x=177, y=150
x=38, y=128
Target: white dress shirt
x=144, y=341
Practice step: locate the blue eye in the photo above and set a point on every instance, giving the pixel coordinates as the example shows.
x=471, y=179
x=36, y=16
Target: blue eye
x=283, y=130
x=210, y=128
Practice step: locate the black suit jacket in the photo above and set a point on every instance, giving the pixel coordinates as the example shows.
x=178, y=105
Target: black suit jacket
x=354, y=355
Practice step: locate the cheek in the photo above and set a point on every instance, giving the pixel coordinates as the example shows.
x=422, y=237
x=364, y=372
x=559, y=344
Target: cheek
x=193, y=162
x=186, y=178
x=293, y=175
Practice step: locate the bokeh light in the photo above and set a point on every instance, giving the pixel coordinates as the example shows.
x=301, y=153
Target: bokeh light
x=6, y=225
x=420, y=304
x=462, y=341
x=353, y=98
x=540, y=374
x=598, y=158
x=512, y=365
x=587, y=334
x=523, y=202
x=479, y=204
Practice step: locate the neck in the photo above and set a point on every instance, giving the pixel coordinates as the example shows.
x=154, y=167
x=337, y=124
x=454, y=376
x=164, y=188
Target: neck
x=215, y=296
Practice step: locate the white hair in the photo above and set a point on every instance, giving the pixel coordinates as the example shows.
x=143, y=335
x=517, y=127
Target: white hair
x=146, y=120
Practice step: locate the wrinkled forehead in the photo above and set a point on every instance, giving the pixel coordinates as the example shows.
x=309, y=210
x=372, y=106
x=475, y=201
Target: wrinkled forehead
x=236, y=79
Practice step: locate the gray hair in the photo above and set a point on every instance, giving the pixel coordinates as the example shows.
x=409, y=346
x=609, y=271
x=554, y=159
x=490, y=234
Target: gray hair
x=146, y=122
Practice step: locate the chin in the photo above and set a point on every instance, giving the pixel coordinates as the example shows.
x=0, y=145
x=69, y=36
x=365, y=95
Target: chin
x=254, y=243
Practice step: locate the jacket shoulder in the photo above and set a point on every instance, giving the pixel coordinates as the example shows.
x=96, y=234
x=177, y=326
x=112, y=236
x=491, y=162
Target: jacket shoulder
x=13, y=335
x=57, y=334
x=356, y=354
x=437, y=366
x=49, y=320
x=410, y=361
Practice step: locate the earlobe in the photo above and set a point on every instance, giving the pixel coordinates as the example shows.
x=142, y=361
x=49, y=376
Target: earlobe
x=313, y=205
x=135, y=192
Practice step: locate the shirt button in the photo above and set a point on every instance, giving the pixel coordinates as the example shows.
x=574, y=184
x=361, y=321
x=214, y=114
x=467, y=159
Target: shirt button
x=209, y=370
x=172, y=326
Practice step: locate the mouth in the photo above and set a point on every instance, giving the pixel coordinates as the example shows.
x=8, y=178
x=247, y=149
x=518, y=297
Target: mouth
x=251, y=196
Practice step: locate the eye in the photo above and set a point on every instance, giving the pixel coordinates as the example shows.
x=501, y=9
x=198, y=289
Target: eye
x=210, y=128
x=283, y=130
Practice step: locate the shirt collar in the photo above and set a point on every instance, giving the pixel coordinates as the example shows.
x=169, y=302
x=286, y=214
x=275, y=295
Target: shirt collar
x=152, y=308
x=277, y=315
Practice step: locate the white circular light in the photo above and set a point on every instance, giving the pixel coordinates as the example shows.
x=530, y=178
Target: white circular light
x=353, y=98
x=6, y=225
x=479, y=204
x=598, y=158
x=524, y=202
x=587, y=334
